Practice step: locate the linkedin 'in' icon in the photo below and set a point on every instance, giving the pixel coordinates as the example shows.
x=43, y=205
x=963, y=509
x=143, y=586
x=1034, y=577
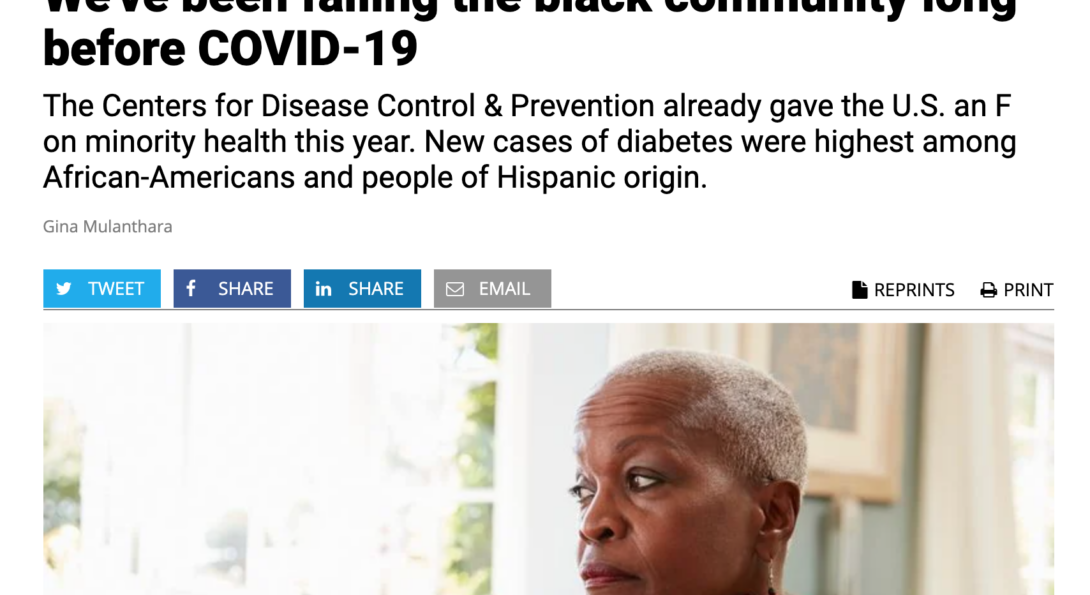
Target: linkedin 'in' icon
x=859, y=290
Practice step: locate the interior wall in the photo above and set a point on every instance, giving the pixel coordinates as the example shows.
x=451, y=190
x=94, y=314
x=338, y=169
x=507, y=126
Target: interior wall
x=888, y=536
x=556, y=366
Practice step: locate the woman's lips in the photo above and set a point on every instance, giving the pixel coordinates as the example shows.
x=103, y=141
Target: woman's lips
x=598, y=574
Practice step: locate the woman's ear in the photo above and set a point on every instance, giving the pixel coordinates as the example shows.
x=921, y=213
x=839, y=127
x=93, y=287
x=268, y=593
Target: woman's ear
x=780, y=501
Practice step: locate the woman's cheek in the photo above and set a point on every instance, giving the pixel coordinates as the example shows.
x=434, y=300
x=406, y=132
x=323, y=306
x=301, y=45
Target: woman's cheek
x=666, y=548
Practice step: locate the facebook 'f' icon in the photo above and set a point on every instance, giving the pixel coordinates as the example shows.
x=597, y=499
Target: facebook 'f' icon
x=191, y=286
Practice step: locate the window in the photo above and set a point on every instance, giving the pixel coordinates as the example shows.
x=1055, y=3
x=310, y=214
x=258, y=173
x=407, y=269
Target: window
x=1031, y=425
x=246, y=459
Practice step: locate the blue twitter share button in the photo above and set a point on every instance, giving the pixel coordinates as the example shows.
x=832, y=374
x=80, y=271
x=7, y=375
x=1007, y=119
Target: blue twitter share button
x=102, y=288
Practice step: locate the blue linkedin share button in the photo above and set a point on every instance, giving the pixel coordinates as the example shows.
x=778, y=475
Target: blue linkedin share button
x=360, y=288
x=101, y=288
x=232, y=288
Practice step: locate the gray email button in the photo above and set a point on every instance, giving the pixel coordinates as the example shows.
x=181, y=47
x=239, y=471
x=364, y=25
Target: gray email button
x=493, y=288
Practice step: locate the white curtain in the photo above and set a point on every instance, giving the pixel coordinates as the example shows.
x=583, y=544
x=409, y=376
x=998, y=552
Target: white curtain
x=966, y=540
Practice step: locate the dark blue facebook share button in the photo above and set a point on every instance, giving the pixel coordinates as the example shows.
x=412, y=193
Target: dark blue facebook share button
x=232, y=288
x=361, y=288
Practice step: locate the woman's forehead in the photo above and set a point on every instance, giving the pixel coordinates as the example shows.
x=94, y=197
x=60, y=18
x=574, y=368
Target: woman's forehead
x=638, y=400
x=623, y=412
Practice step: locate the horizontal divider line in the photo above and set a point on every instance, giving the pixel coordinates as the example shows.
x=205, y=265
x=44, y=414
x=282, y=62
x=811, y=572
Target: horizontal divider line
x=549, y=309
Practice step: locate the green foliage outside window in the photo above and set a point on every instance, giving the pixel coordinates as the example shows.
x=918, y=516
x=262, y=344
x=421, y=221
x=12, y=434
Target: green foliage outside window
x=63, y=465
x=469, y=550
x=486, y=339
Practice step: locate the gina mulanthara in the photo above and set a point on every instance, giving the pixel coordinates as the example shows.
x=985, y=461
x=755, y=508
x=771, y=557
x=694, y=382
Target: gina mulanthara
x=108, y=226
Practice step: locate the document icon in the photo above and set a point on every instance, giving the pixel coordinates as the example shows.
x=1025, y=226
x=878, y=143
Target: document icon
x=456, y=289
x=859, y=290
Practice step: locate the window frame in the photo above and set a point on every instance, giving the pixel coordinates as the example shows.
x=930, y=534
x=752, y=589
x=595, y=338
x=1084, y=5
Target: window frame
x=358, y=396
x=1032, y=347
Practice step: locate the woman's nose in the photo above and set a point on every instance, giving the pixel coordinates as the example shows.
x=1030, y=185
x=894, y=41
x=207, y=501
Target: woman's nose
x=602, y=521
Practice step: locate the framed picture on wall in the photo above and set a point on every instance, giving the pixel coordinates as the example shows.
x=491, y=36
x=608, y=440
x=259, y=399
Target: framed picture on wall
x=849, y=380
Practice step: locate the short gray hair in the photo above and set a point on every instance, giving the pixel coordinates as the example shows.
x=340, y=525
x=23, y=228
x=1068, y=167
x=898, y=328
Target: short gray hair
x=754, y=417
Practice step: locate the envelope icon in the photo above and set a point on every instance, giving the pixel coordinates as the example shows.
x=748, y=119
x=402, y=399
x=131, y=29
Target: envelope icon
x=456, y=289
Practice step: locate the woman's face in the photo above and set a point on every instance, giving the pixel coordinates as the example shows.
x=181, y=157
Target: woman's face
x=660, y=512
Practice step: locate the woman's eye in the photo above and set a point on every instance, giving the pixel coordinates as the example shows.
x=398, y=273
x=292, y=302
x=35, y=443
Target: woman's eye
x=642, y=482
x=581, y=493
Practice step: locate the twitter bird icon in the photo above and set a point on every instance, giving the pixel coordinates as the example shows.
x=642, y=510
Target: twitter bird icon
x=63, y=289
